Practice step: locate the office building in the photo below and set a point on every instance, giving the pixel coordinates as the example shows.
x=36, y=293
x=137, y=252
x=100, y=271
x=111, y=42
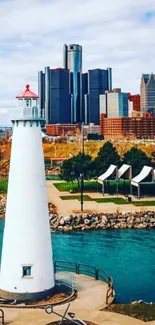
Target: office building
x=98, y=82
x=114, y=104
x=62, y=129
x=91, y=129
x=85, y=116
x=72, y=60
x=53, y=87
x=135, y=99
x=127, y=127
x=147, y=92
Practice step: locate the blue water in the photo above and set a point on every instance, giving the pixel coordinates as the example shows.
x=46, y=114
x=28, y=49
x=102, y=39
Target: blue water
x=127, y=255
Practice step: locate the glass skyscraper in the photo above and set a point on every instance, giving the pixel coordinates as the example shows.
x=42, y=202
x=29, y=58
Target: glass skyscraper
x=147, y=93
x=72, y=60
x=114, y=104
x=99, y=81
x=54, y=96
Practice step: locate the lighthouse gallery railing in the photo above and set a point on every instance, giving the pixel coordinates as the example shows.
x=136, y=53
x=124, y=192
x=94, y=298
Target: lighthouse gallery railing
x=79, y=268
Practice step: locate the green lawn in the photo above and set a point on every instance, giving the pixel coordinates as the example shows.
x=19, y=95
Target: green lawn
x=76, y=197
x=112, y=200
x=3, y=185
x=88, y=198
x=88, y=186
x=53, y=177
x=143, y=203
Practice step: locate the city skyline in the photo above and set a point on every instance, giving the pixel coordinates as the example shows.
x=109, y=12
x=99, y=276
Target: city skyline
x=32, y=34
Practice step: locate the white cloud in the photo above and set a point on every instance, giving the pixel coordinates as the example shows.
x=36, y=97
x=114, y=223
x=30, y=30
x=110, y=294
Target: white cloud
x=112, y=33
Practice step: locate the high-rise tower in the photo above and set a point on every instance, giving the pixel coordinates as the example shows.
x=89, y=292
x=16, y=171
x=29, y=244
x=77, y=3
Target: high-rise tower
x=72, y=60
x=26, y=263
x=99, y=81
x=147, y=93
x=54, y=95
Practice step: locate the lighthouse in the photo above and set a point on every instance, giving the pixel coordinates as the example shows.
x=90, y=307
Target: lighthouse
x=27, y=271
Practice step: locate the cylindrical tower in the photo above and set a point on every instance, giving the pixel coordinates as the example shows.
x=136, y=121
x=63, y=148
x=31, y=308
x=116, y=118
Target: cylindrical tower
x=27, y=264
x=74, y=64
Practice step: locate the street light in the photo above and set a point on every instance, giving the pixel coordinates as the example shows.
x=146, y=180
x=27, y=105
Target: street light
x=72, y=178
x=117, y=181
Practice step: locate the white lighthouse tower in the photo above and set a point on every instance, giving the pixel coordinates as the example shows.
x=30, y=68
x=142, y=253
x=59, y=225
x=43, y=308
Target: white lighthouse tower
x=27, y=263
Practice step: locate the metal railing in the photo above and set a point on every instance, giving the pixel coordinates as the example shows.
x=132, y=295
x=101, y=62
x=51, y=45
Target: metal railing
x=65, y=278
x=2, y=316
x=80, y=268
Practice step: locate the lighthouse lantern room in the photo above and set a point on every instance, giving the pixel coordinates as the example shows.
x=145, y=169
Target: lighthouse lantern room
x=27, y=271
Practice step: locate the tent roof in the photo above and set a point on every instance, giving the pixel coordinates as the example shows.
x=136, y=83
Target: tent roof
x=123, y=170
x=108, y=173
x=141, y=176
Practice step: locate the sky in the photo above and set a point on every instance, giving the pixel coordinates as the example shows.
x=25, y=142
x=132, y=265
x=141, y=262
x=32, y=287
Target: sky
x=117, y=34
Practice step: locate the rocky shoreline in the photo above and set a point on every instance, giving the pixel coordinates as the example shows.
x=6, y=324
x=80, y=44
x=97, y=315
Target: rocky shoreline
x=129, y=220
x=92, y=221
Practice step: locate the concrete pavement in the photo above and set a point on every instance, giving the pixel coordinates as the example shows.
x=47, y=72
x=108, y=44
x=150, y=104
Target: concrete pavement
x=67, y=207
x=91, y=298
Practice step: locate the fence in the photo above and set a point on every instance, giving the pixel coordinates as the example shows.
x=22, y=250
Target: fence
x=80, y=268
x=65, y=278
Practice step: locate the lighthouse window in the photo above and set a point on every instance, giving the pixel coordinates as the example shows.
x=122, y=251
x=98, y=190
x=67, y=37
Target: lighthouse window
x=26, y=271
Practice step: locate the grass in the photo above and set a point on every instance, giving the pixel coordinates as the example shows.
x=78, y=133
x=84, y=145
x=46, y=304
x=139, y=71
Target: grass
x=53, y=177
x=144, y=203
x=112, y=200
x=88, y=198
x=115, y=200
x=140, y=311
x=88, y=186
x=3, y=185
x=76, y=197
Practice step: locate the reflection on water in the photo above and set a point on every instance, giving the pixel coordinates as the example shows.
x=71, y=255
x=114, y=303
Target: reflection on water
x=127, y=255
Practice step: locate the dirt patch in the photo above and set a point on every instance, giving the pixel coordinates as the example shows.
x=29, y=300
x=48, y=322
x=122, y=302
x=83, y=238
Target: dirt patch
x=81, y=212
x=56, y=298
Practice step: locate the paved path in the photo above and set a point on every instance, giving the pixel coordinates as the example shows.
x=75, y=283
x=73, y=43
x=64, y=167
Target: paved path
x=66, y=207
x=91, y=297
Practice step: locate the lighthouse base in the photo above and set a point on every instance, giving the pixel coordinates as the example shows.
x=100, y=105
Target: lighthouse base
x=27, y=295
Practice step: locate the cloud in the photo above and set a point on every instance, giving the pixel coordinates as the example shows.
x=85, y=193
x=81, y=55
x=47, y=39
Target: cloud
x=119, y=34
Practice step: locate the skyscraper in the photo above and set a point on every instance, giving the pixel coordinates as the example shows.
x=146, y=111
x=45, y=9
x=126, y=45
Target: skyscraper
x=147, y=92
x=41, y=92
x=85, y=98
x=72, y=60
x=60, y=97
x=98, y=82
x=114, y=104
x=53, y=86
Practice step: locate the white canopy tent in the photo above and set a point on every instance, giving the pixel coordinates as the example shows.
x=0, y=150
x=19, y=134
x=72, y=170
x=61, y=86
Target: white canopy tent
x=125, y=170
x=109, y=172
x=145, y=172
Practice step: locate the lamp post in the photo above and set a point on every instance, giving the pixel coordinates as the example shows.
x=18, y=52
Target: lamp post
x=72, y=178
x=82, y=170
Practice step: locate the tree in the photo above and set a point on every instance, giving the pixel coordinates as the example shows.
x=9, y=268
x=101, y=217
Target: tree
x=107, y=155
x=137, y=159
x=71, y=168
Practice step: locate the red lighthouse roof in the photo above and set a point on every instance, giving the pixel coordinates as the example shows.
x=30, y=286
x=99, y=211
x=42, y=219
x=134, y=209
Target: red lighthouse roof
x=27, y=93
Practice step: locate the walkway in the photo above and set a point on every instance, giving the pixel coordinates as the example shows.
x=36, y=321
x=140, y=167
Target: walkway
x=67, y=207
x=91, y=297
